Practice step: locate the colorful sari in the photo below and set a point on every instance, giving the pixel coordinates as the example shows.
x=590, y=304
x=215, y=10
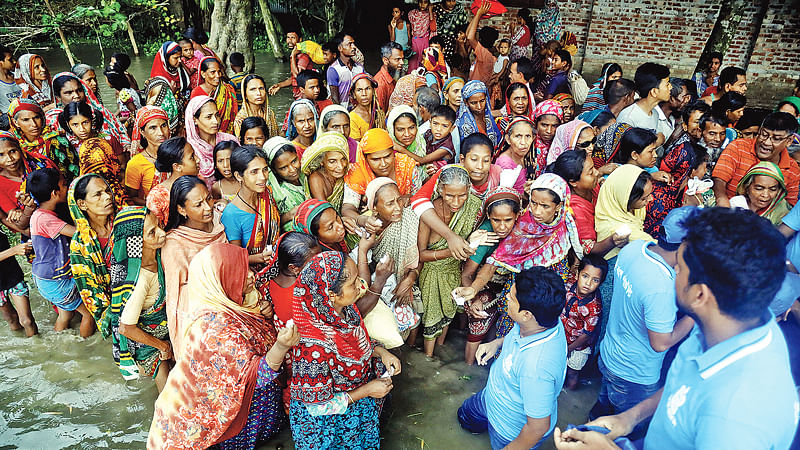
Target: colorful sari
x=204, y=152
x=23, y=77
x=437, y=279
x=125, y=264
x=352, y=144
x=405, y=88
x=594, y=99
x=306, y=213
x=778, y=208
x=678, y=162
x=361, y=174
x=433, y=62
x=177, y=77
x=224, y=96
x=536, y=161
x=223, y=391
x=565, y=139
x=547, y=25
x=329, y=141
x=165, y=100
x=250, y=110
x=611, y=210
x=333, y=357
x=49, y=143
x=97, y=156
x=465, y=121
x=285, y=195
x=508, y=115
x=88, y=260
x=359, y=126
x=8, y=188
x=607, y=143
x=448, y=22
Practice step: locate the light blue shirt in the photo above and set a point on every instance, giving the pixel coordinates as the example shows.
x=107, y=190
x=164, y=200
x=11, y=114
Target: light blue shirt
x=238, y=224
x=526, y=380
x=643, y=299
x=738, y=394
x=792, y=220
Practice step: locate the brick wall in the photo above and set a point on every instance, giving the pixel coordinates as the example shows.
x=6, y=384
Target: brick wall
x=674, y=32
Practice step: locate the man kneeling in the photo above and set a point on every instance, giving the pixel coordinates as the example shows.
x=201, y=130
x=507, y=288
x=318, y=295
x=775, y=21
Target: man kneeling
x=519, y=404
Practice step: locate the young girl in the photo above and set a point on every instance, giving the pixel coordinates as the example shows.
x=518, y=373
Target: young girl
x=190, y=62
x=638, y=147
x=226, y=186
x=398, y=29
x=98, y=153
x=699, y=190
x=500, y=72
x=253, y=132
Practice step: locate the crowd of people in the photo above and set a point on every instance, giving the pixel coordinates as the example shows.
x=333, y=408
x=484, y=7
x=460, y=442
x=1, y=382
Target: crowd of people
x=260, y=267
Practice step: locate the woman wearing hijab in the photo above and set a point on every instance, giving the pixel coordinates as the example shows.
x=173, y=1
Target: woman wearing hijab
x=302, y=124
x=763, y=191
x=319, y=219
x=336, y=118
x=138, y=313
x=255, y=103
x=157, y=92
x=436, y=71
x=203, y=133
x=223, y=93
x=519, y=103
x=451, y=92
x=224, y=392
x=325, y=165
x=336, y=397
x=571, y=135
x=474, y=114
x=167, y=64
x=547, y=117
x=404, y=131
x=33, y=77
x=27, y=122
x=547, y=25
x=406, y=87
x=594, y=99
x=365, y=113
x=606, y=147
x=287, y=181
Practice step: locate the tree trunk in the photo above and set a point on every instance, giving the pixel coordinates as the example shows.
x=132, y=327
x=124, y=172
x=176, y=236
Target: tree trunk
x=334, y=16
x=232, y=30
x=728, y=19
x=272, y=34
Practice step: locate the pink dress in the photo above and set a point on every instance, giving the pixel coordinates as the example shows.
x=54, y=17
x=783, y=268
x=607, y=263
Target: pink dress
x=420, y=32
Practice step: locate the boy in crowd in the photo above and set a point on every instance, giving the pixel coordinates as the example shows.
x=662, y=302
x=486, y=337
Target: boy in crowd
x=439, y=147
x=237, y=66
x=519, y=405
x=619, y=94
x=560, y=67
x=51, y=237
x=581, y=314
x=653, y=87
x=9, y=89
x=298, y=62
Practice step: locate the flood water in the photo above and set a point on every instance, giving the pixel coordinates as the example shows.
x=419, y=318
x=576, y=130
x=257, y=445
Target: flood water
x=63, y=391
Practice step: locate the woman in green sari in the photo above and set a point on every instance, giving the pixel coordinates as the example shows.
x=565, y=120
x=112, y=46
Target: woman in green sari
x=91, y=205
x=138, y=297
x=763, y=191
x=325, y=163
x=441, y=272
x=157, y=92
x=288, y=183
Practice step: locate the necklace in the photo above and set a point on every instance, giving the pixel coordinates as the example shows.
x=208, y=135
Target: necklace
x=248, y=204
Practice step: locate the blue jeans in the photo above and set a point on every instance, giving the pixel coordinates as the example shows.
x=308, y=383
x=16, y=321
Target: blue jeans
x=472, y=417
x=618, y=395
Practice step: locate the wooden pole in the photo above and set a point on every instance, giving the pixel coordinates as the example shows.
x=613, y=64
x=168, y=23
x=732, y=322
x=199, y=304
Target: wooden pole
x=61, y=35
x=133, y=38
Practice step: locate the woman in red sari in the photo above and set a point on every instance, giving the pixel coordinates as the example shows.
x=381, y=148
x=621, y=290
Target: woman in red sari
x=223, y=391
x=224, y=94
x=167, y=64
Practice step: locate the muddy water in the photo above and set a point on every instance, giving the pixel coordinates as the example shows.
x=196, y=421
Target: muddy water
x=63, y=391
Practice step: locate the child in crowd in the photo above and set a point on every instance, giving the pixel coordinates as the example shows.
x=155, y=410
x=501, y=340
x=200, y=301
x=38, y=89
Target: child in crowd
x=638, y=147
x=128, y=100
x=699, y=186
x=439, y=146
x=50, y=236
x=581, y=315
x=226, y=186
x=236, y=61
x=500, y=72
x=190, y=62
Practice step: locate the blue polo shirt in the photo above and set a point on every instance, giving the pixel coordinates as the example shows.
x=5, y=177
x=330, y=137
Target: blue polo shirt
x=738, y=394
x=526, y=380
x=643, y=299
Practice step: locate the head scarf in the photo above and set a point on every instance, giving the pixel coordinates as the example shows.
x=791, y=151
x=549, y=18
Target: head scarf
x=594, y=99
x=547, y=26
x=589, y=116
x=540, y=244
x=612, y=212
x=405, y=88
x=536, y=161
x=500, y=193
x=247, y=109
x=176, y=76
x=126, y=263
x=361, y=174
x=529, y=110
x=89, y=269
x=561, y=97
x=224, y=96
x=165, y=100
x=418, y=147
x=352, y=144
x=466, y=121
x=23, y=76
x=24, y=104
x=30, y=160
x=144, y=115
x=334, y=351
x=291, y=131
x=450, y=82
x=285, y=195
x=328, y=141
x=111, y=124
x=768, y=169
x=608, y=143
x=214, y=387
x=565, y=139
x=203, y=150
x=374, y=186
x=49, y=145
x=433, y=61
x=306, y=213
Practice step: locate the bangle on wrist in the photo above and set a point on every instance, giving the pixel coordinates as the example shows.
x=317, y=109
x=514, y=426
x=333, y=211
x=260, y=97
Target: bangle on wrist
x=273, y=363
x=373, y=292
x=349, y=398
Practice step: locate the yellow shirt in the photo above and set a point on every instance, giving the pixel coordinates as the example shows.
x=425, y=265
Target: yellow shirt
x=139, y=174
x=358, y=126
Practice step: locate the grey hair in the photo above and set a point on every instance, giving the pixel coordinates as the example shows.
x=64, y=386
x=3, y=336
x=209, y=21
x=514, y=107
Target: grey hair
x=80, y=69
x=677, y=86
x=454, y=175
x=427, y=98
x=326, y=119
x=386, y=49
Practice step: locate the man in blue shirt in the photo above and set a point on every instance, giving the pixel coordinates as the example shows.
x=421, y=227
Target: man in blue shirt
x=642, y=319
x=519, y=404
x=730, y=385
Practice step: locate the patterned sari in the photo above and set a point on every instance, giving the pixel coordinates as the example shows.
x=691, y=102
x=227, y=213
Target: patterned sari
x=250, y=110
x=126, y=262
x=97, y=156
x=165, y=100
x=284, y=195
x=465, y=120
x=329, y=141
x=89, y=265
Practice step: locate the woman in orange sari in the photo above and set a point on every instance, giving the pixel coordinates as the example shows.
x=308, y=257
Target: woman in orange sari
x=224, y=94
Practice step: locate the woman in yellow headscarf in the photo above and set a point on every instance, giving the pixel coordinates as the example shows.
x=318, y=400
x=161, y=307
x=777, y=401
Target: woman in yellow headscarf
x=325, y=164
x=763, y=191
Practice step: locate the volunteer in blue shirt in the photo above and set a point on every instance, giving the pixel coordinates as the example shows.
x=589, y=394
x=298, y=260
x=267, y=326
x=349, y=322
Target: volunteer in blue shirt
x=730, y=385
x=519, y=405
x=642, y=322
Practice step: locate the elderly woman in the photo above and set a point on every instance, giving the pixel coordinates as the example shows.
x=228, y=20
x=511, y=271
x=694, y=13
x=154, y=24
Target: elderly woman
x=569, y=136
x=252, y=219
x=150, y=129
x=547, y=116
x=255, y=103
x=88, y=75
x=441, y=272
x=568, y=106
x=27, y=123
x=451, y=91
x=302, y=124
x=336, y=397
x=763, y=191
x=287, y=182
x=336, y=118
x=325, y=164
x=474, y=114
x=519, y=103
x=365, y=113
x=517, y=144
x=203, y=133
x=408, y=139
x=225, y=391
